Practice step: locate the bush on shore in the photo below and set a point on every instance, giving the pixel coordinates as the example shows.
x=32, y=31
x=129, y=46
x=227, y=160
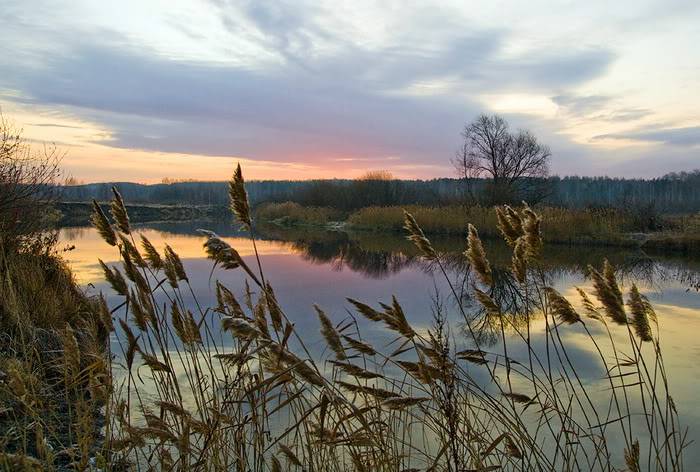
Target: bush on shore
x=290, y=213
x=54, y=368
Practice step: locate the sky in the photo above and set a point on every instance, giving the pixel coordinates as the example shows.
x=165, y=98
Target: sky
x=141, y=90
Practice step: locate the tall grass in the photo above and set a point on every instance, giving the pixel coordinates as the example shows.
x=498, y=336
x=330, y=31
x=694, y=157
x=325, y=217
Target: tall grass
x=248, y=394
x=559, y=224
x=54, y=373
x=444, y=220
x=683, y=236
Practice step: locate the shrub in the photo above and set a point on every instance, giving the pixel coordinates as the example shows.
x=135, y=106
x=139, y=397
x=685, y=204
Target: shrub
x=27, y=187
x=289, y=213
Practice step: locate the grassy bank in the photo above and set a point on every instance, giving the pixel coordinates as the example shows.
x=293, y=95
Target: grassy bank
x=558, y=225
x=54, y=372
x=682, y=236
x=595, y=226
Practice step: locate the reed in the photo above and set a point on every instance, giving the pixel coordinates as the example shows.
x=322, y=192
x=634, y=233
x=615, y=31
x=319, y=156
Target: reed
x=558, y=224
x=234, y=386
x=54, y=369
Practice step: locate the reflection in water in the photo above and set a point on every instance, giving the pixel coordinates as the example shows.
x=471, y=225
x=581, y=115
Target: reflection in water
x=345, y=252
x=311, y=266
x=379, y=255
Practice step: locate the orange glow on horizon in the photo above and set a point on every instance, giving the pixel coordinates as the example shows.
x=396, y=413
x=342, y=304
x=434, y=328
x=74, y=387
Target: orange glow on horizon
x=115, y=164
x=89, y=157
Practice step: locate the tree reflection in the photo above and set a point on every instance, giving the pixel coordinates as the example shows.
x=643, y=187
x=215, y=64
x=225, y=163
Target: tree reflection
x=379, y=255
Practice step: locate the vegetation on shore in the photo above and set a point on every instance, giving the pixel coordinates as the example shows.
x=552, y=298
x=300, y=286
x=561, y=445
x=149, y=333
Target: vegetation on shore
x=559, y=225
x=589, y=226
x=258, y=400
x=235, y=386
x=54, y=366
x=290, y=214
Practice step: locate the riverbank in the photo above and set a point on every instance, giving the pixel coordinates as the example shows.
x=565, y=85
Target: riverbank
x=54, y=367
x=78, y=213
x=596, y=227
x=599, y=227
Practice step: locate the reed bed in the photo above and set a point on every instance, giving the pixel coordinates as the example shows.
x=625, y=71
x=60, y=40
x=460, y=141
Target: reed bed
x=55, y=378
x=560, y=225
x=235, y=387
x=249, y=396
x=683, y=236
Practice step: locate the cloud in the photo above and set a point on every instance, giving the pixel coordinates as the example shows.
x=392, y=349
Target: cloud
x=352, y=103
x=546, y=70
x=582, y=104
x=304, y=81
x=629, y=114
x=684, y=137
x=159, y=104
x=598, y=108
x=54, y=125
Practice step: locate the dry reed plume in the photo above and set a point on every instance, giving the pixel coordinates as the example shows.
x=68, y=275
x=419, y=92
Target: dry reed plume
x=235, y=387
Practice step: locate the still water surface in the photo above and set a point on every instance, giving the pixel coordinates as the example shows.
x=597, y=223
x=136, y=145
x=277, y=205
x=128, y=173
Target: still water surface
x=325, y=267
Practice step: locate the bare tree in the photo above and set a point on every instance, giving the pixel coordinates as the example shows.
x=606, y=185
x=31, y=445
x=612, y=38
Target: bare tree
x=27, y=184
x=515, y=163
x=466, y=166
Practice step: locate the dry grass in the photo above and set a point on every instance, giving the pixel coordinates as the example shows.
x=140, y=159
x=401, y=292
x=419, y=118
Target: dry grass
x=249, y=396
x=54, y=373
x=560, y=225
x=234, y=386
x=446, y=220
x=683, y=236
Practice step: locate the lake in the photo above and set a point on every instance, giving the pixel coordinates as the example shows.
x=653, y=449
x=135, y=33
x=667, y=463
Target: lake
x=308, y=267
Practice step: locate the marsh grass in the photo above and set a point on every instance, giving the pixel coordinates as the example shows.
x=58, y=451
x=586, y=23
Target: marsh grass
x=682, y=235
x=250, y=396
x=54, y=372
x=560, y=225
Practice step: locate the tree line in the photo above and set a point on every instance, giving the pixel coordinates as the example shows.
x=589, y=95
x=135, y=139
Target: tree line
x=676, y=193
x=493, y=163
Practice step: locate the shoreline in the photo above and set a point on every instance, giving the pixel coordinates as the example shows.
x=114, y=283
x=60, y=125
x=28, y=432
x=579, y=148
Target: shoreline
x=74, y=214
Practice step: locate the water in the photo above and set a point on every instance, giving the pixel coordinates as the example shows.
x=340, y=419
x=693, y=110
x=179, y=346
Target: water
x=325, y=267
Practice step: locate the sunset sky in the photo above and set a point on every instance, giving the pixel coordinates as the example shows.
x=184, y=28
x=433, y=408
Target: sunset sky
x=140, y=90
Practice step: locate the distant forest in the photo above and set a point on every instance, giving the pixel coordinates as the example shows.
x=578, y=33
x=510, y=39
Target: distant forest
x=673, y=193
